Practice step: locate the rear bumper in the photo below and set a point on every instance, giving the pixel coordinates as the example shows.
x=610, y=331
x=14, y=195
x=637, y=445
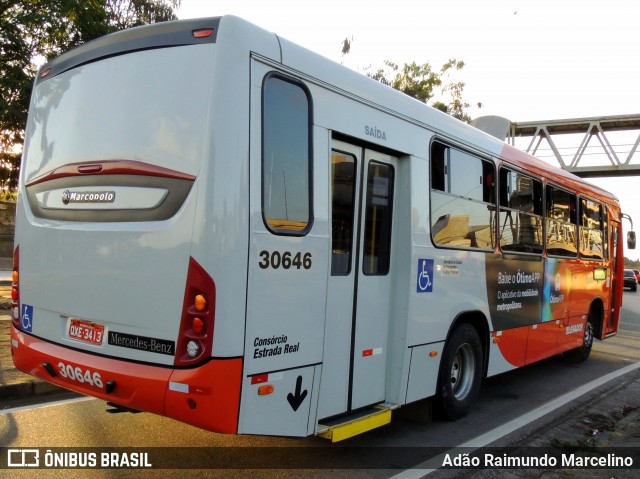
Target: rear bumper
x=207, y=396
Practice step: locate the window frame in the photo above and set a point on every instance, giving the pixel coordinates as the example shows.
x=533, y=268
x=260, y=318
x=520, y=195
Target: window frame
x=490, y=194
x=310, y=193
x=368, y=196
x=353, y=227
x=550, y=185
x=541, y=215
x=602, y=229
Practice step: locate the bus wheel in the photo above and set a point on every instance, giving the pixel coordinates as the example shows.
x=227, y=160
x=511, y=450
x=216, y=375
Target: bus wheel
x=581, y=354
x=460, y=372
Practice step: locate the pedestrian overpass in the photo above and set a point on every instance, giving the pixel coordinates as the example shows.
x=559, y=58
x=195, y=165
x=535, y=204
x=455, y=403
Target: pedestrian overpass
x=602, y=146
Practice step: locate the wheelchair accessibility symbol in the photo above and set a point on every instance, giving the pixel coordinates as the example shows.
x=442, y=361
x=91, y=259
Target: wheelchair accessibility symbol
x=26, y=320
x=425, y=276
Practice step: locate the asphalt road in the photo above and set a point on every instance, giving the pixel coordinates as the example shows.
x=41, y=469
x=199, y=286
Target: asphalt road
x=504, y=398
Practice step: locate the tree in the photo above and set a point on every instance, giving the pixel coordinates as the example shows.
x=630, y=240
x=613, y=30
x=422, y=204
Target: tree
x=423, y=83
x=631, y=263
x=133, y=13
x=35, y=30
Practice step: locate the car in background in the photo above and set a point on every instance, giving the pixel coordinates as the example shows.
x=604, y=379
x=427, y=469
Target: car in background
x=637, y=272
x=630, y=280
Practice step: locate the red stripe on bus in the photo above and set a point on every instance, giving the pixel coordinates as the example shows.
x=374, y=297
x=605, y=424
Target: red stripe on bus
x=110, y=167
x=210, y=398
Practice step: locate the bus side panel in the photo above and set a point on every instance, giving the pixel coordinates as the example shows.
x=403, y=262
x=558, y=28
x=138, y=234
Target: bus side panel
x=442, y=285
x=581, y=287
x=280, y=403
x=583, y=291
x=502, y=357
x=212, y=398
x=442, y=282
x=287, y=279
x=511, y=346
x=423, y=372
x=542, y=340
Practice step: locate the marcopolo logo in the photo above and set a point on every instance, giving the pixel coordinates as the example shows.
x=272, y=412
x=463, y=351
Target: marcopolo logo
x=88, y=196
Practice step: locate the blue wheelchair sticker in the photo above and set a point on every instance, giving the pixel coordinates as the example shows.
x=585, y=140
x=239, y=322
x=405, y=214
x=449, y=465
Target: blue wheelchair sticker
x=425, y=276
x=26, y=318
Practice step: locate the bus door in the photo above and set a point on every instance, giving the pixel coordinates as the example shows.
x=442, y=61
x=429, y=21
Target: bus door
x=615, y=301
x=359, y=286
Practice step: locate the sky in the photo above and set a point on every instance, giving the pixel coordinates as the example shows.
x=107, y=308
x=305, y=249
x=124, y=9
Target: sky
x=524, y=60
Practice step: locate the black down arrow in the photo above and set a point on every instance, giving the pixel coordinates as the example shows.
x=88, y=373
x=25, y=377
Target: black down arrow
x=296, y=400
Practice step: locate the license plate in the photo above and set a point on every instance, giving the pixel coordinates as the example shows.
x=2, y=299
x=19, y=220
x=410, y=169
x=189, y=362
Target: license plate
x=86, y=331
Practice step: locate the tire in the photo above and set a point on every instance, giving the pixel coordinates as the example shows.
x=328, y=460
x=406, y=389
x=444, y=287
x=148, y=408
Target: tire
x=582, y=353
x=460, y=372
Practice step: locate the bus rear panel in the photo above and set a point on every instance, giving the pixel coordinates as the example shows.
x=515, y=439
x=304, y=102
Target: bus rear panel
x=112, y=301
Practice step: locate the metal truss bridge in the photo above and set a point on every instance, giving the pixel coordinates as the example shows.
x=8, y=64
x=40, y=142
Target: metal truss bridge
x=589, y=147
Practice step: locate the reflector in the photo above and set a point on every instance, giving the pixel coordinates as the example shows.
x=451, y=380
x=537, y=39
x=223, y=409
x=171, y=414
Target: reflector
x=265, y=389
x=203, y=33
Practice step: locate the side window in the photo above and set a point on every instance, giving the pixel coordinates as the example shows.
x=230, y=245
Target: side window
x=379, y=212
x=343, y=177
x=562, y=222
x=520, y=212
x=605, y=236
x=591, y=229
x=286, y=156
x=463, y=205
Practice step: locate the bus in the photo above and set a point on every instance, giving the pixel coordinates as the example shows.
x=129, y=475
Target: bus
x=219, y=226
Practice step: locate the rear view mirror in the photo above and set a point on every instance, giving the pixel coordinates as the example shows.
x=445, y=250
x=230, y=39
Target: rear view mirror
x=631, y=240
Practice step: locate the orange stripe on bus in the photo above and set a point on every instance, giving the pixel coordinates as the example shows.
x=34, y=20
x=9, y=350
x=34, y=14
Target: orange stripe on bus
x=207, y=396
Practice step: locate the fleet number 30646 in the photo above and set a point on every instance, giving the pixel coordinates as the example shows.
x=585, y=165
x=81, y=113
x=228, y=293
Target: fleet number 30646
x=80, y=375
x=286, y=260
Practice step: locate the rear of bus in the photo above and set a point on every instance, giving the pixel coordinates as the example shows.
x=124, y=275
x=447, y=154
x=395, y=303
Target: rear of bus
x=112, y=296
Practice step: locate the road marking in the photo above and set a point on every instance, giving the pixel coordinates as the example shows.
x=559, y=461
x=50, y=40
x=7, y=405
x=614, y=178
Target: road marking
x=427, y=467
x=60, y=402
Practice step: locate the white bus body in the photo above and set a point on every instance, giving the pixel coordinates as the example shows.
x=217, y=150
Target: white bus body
x=159, y=166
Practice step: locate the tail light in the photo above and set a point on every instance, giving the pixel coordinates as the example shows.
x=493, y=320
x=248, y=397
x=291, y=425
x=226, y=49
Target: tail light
x=15, y=289
x=195, y=337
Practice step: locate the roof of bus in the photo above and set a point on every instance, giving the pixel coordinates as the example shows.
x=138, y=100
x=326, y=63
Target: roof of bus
x=403, y=106
x=330, y=73
x=553, y=173
x=157, y=35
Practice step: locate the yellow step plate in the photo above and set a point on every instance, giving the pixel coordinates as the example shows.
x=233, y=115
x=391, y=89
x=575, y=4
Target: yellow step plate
x=354, y=427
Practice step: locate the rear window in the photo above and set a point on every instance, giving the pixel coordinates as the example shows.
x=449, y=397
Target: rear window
x=286, y=156
x=149, y=106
